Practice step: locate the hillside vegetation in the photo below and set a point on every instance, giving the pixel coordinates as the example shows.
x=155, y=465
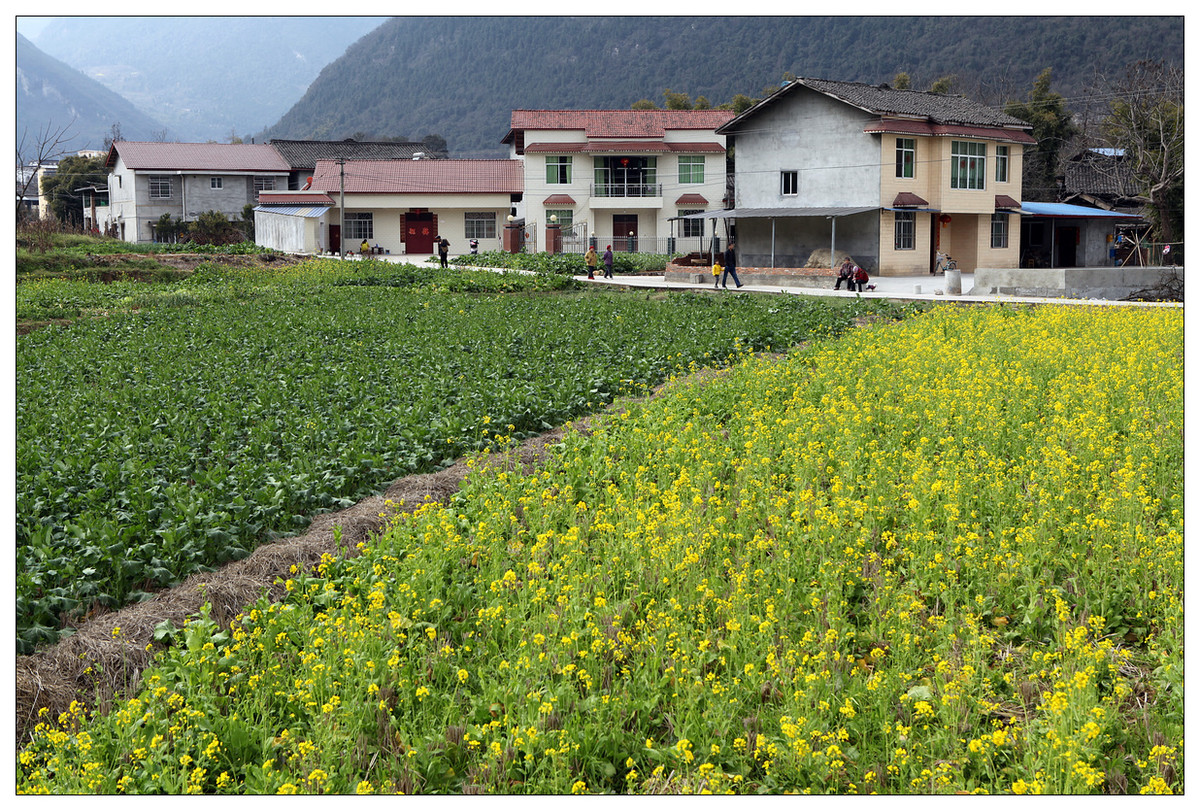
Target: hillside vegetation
x=462, y=77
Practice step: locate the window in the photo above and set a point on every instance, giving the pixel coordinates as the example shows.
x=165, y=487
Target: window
x=906, y=231
x=789, y=182
x=691, y=168
x=558, y=168
x=216, y=183
x=1001, y=164
x=160, y=186
x=906, y=157
x=690, y=228
x=480, y=224
x=1000, y=230
x=360, y=225
x=264, y=184
x=566, y=216
x=968, y=161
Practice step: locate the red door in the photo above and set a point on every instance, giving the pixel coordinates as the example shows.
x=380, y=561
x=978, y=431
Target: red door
x=418, y=232
x=625, y=230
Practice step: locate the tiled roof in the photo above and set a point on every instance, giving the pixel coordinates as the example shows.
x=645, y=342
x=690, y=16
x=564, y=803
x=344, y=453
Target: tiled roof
x=151, y=156
x=305, y=154
x=1004, y=201
x=1103, y=175
x=559, y=200
x=887, y=101
x=691, y=200
x=422, y=177
x=617, y=123
x=907, y=126
x=598, y=146
x=907, y=198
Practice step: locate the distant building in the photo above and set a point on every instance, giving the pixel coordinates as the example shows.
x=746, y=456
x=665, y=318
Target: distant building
x=624, y=175
x=401, y=206
x=184, y=180
x=892, y=177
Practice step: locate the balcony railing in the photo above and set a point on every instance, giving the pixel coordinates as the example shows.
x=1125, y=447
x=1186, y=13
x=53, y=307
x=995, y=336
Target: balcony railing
x=627, y=190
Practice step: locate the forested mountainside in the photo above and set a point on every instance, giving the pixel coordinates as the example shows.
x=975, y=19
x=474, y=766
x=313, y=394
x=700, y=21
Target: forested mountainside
x=461, y=77
x=54, y=97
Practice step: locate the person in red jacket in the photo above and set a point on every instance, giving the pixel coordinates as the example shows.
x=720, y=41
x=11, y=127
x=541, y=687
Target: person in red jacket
x=860, y=278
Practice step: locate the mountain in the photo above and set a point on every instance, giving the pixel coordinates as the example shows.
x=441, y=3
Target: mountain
x=52, y=96
x=461, y=77
x=207, y=78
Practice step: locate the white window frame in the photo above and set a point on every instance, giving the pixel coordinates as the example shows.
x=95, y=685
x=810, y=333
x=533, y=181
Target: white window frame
x=561, y=164
x=1001, y=164
x=359, y=225
x=789, y=178
x=691, y=169
x=156, y=184
x=264, y=184
x=968, y=165
x=216, y=182
x=906, y=158
x=479, y=224
x=904, y=230
x=1000, y=229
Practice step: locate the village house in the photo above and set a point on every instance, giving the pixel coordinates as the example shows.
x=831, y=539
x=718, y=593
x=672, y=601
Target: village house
x=148, y=179
x=397, y=206
x=890, y=177
x=620, y=176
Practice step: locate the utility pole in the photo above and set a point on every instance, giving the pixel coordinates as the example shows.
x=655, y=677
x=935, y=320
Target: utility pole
x=342, y=210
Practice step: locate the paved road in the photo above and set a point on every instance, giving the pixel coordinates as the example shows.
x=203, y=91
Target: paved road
x=897, y=288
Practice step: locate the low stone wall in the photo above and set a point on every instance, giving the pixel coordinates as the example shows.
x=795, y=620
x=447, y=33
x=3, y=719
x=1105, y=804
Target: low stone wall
x=766, y=277
x=1108, y=283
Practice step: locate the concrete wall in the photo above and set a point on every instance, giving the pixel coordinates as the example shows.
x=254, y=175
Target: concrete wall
x=822, y=140
x=1091, y=282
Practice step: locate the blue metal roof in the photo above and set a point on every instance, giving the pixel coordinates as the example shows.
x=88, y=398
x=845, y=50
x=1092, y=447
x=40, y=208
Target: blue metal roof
x=1067, y=210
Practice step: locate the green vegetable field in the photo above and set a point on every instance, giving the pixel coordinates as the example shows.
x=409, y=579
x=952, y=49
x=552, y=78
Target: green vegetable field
x=173, y=427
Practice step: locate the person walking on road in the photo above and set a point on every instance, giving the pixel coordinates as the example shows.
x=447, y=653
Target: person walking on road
x=608, y=262
x=730, y=267
x=590, y=260
x=443, y=249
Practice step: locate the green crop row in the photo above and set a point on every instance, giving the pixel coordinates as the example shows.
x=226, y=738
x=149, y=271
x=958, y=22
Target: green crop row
x=197, y=420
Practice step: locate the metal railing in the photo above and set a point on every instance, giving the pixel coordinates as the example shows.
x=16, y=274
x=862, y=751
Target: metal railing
x=626, y=190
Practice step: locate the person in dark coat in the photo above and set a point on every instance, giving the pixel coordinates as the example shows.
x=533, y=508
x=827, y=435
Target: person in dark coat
x=607, y=259
x=730, y=266
x=443, y=249
x=845, y=274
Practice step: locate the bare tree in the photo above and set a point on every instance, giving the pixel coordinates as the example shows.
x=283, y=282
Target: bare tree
x=36, y=152
x=1145, y=122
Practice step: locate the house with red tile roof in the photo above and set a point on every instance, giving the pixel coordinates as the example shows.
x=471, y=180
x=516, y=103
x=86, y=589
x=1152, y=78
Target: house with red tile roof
x=622, y=175
x=184, y=180
x=399, y=206
x=891, y=177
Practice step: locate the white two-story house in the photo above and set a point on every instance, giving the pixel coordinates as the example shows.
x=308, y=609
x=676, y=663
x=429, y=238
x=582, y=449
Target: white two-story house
x=623, y=176
x=892, y=177
x=148, y=179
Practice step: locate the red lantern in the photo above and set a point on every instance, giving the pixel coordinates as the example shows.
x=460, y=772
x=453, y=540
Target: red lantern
x=944, y=219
